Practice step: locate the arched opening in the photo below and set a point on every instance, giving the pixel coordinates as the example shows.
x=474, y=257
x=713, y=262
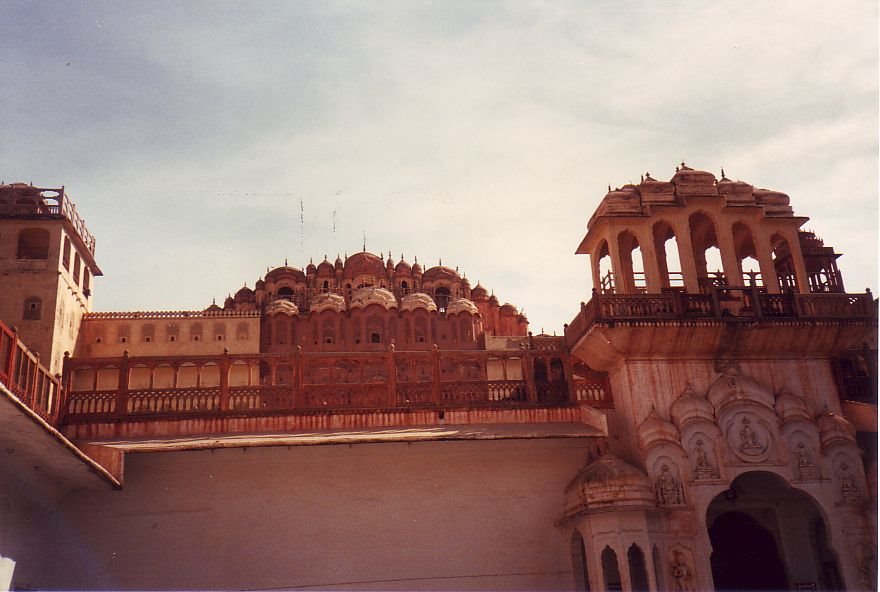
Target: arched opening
x=325, y=287
x=442, y=296
x=285, y=293
x=77, y=266
x=604, y=271
x=579, y=563
x=707, y=255
x=747, y=255
x=33, y=243
x=404, y=288
x=631, y=276
x=610, y=571
x=768, y=536
x=783, y=263
x=668, y=262
x=638, y=574
x=65, y=260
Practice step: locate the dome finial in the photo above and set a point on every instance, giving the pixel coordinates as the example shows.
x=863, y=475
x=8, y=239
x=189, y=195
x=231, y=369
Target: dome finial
x=285, y=262
x=723, y=176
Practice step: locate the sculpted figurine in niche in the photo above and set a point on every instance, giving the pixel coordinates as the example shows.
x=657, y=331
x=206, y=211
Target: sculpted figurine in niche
x=704, y=469
x=805, y=467
x=681, y=573
x=848, y=488
x=669, y=492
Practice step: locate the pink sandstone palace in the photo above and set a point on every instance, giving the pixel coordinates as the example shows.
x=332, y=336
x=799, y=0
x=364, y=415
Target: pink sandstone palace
x=367, y=424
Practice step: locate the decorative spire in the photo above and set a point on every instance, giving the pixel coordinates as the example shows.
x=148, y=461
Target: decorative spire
x=285, y=262
x=723, y=176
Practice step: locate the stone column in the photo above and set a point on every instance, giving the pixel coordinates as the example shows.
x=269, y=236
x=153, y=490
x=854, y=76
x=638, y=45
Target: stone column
x=688, y=262
x=729, y=258
x=653, y=278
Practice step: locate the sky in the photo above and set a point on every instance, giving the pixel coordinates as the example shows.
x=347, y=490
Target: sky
x=206, y=141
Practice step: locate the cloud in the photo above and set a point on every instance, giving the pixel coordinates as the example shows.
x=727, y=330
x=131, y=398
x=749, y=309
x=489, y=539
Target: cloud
x=194, y=136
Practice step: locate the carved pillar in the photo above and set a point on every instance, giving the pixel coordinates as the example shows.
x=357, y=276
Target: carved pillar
x=621, y=282
x=765, y=261
x=224, y=380
x=298, y=377
x=653, y=277
x=122, y=389
x=688, y=262
x=800, y=270
x=435, y=374
x=729, y=259
x=529, y=375
x=594, y=268
x=391, y=367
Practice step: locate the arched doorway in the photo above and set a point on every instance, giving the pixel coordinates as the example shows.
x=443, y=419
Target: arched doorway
x=768, y=536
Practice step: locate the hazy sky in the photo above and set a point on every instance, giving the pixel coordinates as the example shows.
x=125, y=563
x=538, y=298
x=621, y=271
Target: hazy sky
x=205, y=141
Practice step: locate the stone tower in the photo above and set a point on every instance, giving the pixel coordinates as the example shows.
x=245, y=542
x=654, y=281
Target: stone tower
x=47, y=262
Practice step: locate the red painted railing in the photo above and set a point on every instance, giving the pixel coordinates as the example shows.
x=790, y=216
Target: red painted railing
x=27, y=379
x=101, y=389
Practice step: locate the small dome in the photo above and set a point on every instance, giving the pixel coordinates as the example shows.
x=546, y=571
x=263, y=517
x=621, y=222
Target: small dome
x=245, y=294
x=834, y=429
x=417, y=300
x=310, y=268
x=691, y=407
x=260, y=285
x=403, y=267
x=441, y=272
x=364, y=263
x=655, y=430
x=608, y=483
x=338, y=263
x=493, y=300
x=685, y=175
x=462, y=305
x=282, y=306
x=285, y=272
x=790, y=407
x=364, y=297
x=229, y=302
x=465, y=283
x=508, y=309
x=327, y=301
x=732, y=386
x=213, y=308
x=325, y=268
x=416, y=268
x=479, y=293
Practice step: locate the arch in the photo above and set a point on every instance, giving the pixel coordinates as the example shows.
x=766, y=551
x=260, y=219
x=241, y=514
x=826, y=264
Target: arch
x=442, y=296
x=638, y=573
x=579, y=562
x=631, y=276
x=668, y=261
x=610, y=570
x=285, y=293
x=707, y=254
x=746, y=254
x=33, y=243
x=603, y=271
x=65, y=259
x=783, y=262
x=767, y=535
x=77, y=266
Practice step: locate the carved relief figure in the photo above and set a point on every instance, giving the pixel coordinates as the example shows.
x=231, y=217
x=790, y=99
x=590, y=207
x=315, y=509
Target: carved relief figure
x=748, y=437
x=867, y=564
x=848, y=488
x=669, y=492
x=704, y=468
x=681, y=573
x=803, y=463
